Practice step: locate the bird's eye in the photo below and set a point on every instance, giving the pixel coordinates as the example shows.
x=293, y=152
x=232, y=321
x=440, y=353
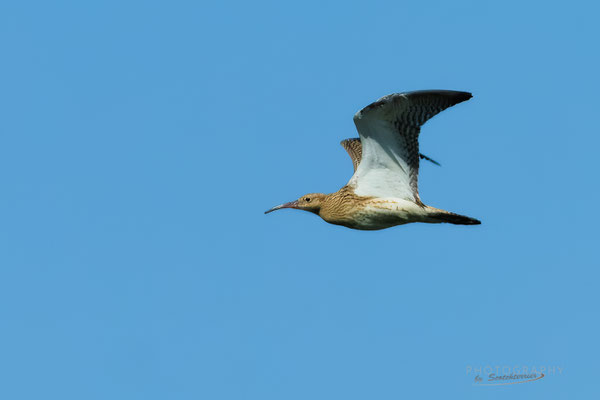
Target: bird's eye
x=307, y=199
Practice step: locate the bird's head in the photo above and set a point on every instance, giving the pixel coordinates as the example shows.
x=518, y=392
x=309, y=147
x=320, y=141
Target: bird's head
x=309, y=202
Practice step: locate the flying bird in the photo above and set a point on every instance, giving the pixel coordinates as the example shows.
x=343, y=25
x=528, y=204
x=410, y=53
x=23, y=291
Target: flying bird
x=383, y=192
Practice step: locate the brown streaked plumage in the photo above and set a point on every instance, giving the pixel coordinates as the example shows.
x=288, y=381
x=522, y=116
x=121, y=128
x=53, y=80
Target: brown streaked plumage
x=383, y=192
x=354, y=149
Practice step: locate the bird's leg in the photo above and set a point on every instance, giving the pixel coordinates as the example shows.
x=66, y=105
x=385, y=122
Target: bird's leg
x=423, y=156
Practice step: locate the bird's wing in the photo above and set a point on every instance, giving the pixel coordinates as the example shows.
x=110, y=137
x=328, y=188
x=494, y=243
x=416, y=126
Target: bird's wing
x=354, y=148
x=389, y=133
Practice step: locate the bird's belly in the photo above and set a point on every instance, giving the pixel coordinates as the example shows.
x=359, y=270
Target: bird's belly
x=385, y=213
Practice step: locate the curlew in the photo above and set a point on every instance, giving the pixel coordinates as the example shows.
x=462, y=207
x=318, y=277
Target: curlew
x=383, y=192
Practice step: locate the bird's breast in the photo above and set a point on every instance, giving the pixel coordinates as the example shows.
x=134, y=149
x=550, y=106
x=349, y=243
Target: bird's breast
x=378, y=213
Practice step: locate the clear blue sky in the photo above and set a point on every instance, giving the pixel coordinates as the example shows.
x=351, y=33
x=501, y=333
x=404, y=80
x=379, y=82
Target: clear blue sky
x=141, y=142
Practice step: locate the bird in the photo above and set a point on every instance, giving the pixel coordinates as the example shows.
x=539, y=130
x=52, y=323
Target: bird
x=383, y=191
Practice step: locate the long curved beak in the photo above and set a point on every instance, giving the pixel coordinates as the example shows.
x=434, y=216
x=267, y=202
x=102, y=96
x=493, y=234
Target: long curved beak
x=291, y=204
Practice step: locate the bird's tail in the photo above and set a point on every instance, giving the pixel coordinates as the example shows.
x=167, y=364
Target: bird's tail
x=436, y=215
